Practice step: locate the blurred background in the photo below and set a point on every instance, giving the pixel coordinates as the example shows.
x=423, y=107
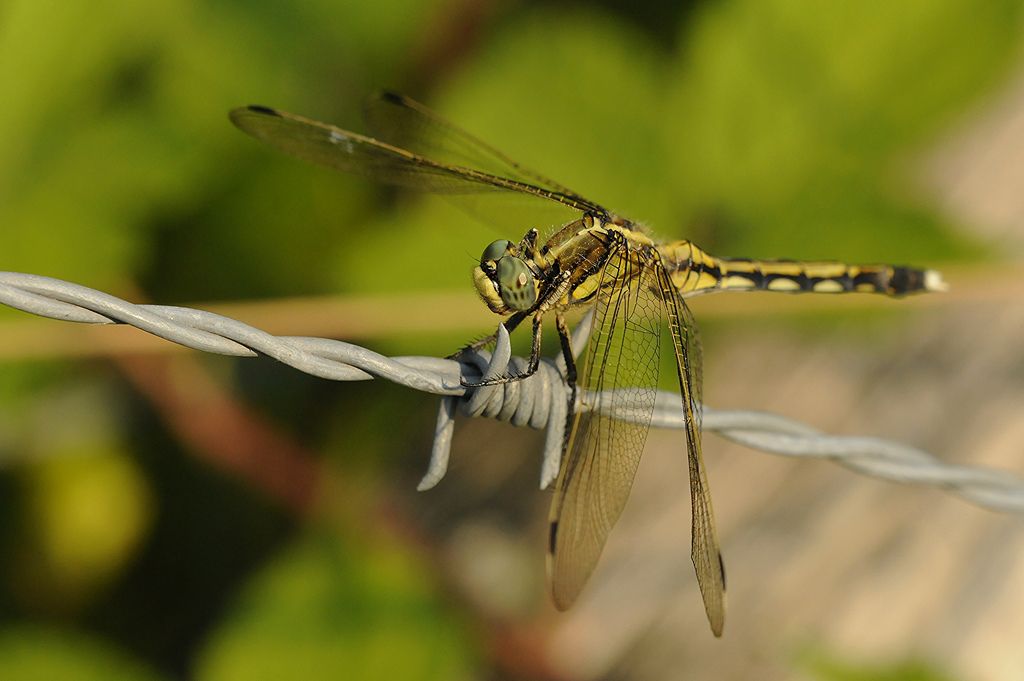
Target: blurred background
x=170, y=515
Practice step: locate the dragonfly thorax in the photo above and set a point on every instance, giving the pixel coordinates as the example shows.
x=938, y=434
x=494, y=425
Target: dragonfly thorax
x=504, y=280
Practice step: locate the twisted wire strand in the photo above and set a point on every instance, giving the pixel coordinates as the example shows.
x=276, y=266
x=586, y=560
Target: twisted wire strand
x=537, y=402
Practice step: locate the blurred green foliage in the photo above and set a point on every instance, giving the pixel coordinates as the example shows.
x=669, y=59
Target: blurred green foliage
x=325, y=609
x=757, y=127
x=31, y=653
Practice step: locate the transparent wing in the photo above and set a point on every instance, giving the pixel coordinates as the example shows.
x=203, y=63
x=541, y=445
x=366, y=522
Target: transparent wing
x=351, y=152
x=705, y=551
x=618, y=382
x=406, y=123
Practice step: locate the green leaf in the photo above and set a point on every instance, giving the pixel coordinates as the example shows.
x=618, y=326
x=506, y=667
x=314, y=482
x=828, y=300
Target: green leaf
x=326, y=610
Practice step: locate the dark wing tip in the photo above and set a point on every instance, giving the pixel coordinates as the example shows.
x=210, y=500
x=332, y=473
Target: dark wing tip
x=561, y=599
x=240, y=113
x=265, y=110
x=242, y=116
x=391, y=96
x=552, y=536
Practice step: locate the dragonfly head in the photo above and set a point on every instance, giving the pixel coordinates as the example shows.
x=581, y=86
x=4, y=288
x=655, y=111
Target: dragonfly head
x=504, y=280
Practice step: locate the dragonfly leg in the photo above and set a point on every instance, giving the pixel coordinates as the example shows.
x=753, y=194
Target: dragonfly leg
x=529, y=244
x=531, y=368
x=565, y=338
x=510, y=324
x=556, y=294
x=531, y=251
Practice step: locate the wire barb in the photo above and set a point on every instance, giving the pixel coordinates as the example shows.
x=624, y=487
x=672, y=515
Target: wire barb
x=538, y=402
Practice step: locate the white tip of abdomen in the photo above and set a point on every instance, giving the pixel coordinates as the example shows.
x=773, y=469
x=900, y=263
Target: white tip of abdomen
x=933, y=281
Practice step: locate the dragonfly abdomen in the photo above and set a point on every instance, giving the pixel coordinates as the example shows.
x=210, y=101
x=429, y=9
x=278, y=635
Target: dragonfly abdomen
x=696, y=271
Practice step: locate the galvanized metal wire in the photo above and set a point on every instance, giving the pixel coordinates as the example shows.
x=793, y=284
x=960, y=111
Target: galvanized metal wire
x=539, y=402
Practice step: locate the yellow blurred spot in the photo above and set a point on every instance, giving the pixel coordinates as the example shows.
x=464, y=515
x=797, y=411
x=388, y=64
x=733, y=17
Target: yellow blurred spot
x=87, y=512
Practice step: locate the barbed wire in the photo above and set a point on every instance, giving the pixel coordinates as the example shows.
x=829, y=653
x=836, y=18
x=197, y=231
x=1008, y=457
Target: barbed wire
x=539, y=402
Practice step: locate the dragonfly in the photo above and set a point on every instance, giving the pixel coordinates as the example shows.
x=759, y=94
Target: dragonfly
x=591, y=256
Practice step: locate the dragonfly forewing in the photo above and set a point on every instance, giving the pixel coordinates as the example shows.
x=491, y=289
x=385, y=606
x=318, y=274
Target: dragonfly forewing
x=619, y=378
x=388, y=163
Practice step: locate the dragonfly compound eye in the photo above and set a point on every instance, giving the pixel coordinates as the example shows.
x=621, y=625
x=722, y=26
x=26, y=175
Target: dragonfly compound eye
x=515, y=283
x=495, y=251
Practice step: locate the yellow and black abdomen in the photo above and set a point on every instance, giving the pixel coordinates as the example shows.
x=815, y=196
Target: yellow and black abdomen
x=695, y=271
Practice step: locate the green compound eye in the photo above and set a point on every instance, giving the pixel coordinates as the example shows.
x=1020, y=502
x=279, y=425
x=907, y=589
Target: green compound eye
x=495, y=251
x=515, y=283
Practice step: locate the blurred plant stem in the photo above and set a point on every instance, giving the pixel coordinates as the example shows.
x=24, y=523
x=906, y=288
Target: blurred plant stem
x=392, y=315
